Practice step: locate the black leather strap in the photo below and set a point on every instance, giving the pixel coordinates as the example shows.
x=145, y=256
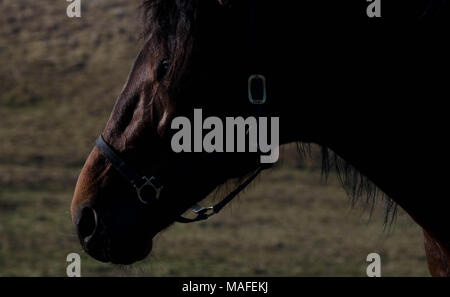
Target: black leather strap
x=202, y=212
x=129, y=173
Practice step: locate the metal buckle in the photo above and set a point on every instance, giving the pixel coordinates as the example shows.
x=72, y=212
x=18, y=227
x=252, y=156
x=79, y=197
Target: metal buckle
x=250, y=94
x=203, y=212
x=148, y=182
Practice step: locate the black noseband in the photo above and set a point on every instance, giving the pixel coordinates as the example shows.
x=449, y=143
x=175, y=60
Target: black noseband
x=148, y=189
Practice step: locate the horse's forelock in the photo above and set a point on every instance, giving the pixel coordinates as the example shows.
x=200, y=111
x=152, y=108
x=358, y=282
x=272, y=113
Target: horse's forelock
x=171, y=23
x=166, y=17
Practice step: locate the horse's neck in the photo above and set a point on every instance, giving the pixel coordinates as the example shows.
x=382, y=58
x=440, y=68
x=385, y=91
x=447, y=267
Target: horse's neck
x=375, y=96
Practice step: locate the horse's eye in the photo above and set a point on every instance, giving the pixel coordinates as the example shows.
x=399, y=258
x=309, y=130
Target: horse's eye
x=163, y=67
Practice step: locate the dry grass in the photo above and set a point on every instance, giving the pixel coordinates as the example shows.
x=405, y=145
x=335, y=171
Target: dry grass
x=58, y=81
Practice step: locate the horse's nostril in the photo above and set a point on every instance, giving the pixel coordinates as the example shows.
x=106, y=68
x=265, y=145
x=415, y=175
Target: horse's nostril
x=87, y=224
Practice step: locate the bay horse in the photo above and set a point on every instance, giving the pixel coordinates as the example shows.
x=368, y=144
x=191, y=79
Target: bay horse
x=370, y=92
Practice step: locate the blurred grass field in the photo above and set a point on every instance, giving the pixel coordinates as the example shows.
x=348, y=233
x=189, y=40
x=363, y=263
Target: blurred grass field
x=59, y=78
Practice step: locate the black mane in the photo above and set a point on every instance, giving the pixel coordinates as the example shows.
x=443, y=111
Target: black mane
x=356, y=185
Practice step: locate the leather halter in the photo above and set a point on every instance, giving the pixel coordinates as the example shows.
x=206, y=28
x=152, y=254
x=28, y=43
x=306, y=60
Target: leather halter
x=142, y=183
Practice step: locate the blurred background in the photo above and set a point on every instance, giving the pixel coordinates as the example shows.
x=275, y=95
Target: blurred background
x=59, y=79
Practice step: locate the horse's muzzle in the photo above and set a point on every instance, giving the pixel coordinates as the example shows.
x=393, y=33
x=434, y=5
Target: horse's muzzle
x=105, y=247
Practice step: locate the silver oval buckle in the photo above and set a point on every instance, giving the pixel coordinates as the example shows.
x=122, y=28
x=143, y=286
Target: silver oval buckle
x=149, y=182
x=252, y=78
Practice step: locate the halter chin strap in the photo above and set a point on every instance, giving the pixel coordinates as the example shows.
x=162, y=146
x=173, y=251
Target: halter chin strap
x=204, y=213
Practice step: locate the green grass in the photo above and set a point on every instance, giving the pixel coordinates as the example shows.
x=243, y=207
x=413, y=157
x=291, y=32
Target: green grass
x=288, y=224
x=58, y=82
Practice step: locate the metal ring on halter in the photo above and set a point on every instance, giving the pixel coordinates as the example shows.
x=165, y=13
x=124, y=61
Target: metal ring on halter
x=250, y=93
x=148, y=182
